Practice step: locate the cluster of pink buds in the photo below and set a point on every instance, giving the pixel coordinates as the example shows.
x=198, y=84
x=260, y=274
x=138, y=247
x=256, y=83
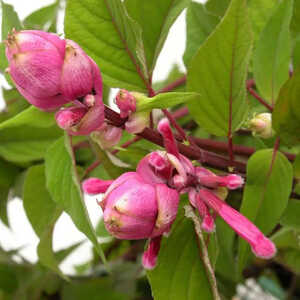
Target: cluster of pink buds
x=137, y=120
x=143, y=204
x=51, y=72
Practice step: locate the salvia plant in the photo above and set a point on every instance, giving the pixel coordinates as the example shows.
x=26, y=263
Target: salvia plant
x=197, y=176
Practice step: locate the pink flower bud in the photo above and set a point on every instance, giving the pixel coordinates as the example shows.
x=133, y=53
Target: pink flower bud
x=126, y=103
x=82, y=120
x=107, y=136
x=150, y=255
x=260, y=245
x=155, y=168
x=209, y=179
x=134, y=209
x=94, y=186
x=48, y=71
x=78, y=74
x=35, y=65
x=137, y=122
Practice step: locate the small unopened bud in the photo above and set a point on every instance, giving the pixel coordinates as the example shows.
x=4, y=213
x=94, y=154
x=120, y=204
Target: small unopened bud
x=261, y=125
x=150, y=255
x=94, y=186
x=137, y=122
x=107, y=136
x=126, y=103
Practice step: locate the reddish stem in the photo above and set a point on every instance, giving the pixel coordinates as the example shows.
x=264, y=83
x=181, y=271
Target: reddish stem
x=180, y=81
x=250, y=83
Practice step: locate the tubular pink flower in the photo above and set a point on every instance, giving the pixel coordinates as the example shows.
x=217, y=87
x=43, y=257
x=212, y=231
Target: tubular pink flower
x=48, y=71
x=169, y=140
x=126, y=103
x=94, y=186
x=209, y=179
x=134, y=209
x=150, y=255
x=260, y=245
x=208, y=222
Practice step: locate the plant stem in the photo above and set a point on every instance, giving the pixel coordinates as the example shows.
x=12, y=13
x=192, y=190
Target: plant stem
x=250, y=84
x=180, y=81
x=189, y=212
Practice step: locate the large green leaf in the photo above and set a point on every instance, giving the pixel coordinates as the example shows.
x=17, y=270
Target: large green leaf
x=165, y=100
x=161, y=15
x=199, y=24
x=286, y=115
x=26, y=136
x=218, y=73
x=64, y=187
x=42, y=213
x=180, y=273
x=260, y=12
x=272, y=54
x=266, y=194
x=43, y=18
x=104, y=29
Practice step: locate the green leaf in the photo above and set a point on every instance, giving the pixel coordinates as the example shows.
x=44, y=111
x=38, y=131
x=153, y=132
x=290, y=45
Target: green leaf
x=15, y=103
x=217, y=7
x=42, y=19
x=260, y=12
x=165, y=100
x=291, y=215
x=106, y=32
x=94, y=289
x=291, y=259
x=272, y=54
x=42, y=212
x=199, y=25
x=25, y=137
x=266, y=193
x=295, y=23
x=161, y=15
x=8, y=278
x=218, y=74
x=287, y=237
x=10, y=20
x=180, y=273
x=286, y=114
x=64, y=187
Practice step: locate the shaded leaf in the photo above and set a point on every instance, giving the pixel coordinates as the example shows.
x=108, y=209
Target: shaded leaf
x=218, y=74
x=286, y=114
x=291, y=215
x=272, y=54
x=266, y=193
x=217, y=7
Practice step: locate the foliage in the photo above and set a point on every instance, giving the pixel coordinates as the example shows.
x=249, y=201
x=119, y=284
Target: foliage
x=242, y=58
